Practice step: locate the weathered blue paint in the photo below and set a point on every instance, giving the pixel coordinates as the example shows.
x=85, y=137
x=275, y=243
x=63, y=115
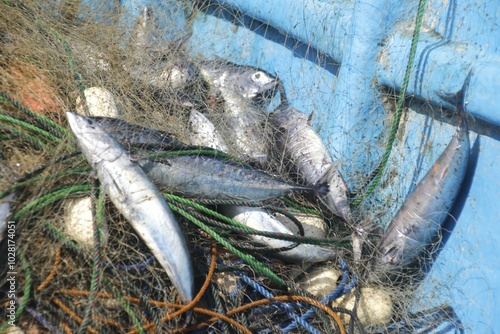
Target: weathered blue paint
x=308, y=43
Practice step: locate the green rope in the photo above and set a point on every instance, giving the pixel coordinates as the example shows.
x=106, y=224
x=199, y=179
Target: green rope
x=97, y=222
x=259, y=267
x=40, y=202
x=33, y=141
x=37, y=179
x=126, y=306
x=235, y=226
x=294, y=205
x=399, y=105
x=45, y=122
x=57, y=234
x=28, y=126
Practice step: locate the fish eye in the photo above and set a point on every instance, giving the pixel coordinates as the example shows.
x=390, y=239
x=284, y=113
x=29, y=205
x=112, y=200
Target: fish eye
x=91, y=123
x=257, y=76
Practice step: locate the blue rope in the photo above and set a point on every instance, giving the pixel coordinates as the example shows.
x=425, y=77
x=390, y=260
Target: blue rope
x=341, y=290
x=41, y=319
x=284, y=307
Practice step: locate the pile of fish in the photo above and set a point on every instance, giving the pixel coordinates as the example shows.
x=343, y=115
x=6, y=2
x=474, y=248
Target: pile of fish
x=233, y=119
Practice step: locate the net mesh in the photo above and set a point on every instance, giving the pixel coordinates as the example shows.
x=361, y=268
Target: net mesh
x=102, y=277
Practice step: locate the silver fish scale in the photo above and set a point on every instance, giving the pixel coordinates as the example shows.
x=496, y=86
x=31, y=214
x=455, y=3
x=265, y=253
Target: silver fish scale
x=418, y=223
x=301, y=149
x=135, y=197
x=300, y=144
x=243, y=122
x=245, y=126
x=245, y=82
x=206, y=177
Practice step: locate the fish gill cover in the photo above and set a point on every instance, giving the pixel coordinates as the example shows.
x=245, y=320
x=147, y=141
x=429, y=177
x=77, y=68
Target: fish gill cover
x=203, y=98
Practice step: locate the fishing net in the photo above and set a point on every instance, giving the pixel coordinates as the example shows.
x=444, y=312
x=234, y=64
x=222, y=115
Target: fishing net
x=96, y=274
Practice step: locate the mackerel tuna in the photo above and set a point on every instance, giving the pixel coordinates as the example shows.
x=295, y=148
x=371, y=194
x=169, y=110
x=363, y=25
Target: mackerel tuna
x=417, y=225
x=211, y=178
x=127, y=133
x=138, y=200
x=202, y=131
x=244, y=90
x=301, y=147
x=261, y=220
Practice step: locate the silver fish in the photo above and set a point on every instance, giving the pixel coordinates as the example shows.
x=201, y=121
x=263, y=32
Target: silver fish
x=244, y=82
x=261, y=220
x=301, y=148
x=137, y=199
x=208, y=177
x=128, y=133
x=202, y=132
x=244, y=91
x=418, y=223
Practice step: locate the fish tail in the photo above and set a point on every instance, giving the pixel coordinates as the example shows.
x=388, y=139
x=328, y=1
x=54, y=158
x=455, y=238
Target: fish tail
x=332, y=191
x=459, y=101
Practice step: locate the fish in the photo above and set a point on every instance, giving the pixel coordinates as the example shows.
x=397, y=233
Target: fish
x=303, y=152
x=246, y=83
x=417, y=224
x=133, y=134
x=261, y=220
x=244, y=91
x=202, y=132
x=137, y=199
x=213, y=178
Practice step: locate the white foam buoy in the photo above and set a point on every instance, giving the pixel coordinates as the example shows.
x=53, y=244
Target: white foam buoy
x=78, y=223
x=374, y=307
x=314, y=226
x=321, y=281
x=100, y=102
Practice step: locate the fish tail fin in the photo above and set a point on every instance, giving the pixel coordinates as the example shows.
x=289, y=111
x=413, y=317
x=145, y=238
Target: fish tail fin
x=332, y=191
x=459, y=101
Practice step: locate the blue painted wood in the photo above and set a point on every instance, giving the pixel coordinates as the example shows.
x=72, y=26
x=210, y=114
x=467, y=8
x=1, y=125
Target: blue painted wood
x=333, y=56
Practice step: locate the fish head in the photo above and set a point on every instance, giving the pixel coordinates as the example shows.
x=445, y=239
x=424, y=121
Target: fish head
x=244, y=81
x=95, y=143
x=252, y=83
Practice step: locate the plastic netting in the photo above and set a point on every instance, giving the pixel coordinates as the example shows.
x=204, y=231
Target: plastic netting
x=100, y=276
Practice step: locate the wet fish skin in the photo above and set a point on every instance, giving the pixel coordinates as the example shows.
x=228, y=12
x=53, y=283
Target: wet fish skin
x=128, y=133
x=261, y=220
x=137, y=200
x=212, y=178
x=244, y=82
x=300, y=147
x=202, y=132
x=245, y=92
x=418, y=223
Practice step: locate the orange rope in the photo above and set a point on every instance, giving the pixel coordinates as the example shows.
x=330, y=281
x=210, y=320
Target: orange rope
x=66, y=328
x=72, y=314
x=265, y=301
x=181, y=308
x=52, y=273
